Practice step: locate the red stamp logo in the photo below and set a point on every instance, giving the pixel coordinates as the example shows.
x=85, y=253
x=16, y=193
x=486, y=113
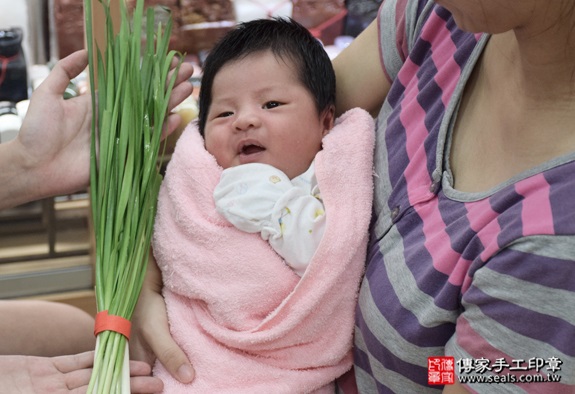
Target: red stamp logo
x=440, y=370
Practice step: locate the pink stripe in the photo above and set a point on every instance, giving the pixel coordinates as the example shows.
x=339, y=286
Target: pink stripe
x=474, y=344
x=413, y=115
x=536, y=214
x=412, y=118
x=483, y=220
x=477, y=347
x=466, y=283
x=438, y=244
x=442, y=54
x=408, y=75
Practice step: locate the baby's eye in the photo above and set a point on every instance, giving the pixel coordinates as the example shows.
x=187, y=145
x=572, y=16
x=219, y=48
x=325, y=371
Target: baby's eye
x=272, y=104
x=225, y=114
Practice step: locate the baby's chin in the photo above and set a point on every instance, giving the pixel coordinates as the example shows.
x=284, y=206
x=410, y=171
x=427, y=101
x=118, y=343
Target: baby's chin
x=289, y=170
x=293, y=172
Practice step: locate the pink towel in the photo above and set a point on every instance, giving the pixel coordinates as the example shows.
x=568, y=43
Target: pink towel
x=247, y=322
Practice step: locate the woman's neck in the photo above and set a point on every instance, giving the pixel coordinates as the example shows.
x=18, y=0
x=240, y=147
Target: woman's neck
x=529, y=84
x=518, y=109
x=536, y=62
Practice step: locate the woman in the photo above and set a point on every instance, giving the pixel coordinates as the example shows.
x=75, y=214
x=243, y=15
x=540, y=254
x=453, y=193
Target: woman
x=472, y=252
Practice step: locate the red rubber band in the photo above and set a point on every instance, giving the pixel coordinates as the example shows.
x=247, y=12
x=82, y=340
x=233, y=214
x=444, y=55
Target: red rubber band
x=105, y=322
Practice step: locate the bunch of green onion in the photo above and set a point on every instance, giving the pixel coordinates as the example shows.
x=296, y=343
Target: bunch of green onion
x=132, y=102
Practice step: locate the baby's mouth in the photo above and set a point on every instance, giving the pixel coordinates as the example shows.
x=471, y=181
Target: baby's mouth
x=250, y=149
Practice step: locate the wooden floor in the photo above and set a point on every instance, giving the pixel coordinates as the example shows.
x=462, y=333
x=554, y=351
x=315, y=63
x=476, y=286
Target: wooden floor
x=45, y=252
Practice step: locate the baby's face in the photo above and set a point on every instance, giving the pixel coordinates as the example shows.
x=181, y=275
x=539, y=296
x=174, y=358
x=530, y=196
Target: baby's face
x=262, y=113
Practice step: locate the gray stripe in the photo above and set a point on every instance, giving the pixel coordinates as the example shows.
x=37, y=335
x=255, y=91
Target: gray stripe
x=460, y=196
x=512, y=343
x=444, y=140
x=365, y=382
x=387, y=335
x=398, y=383
x=387, y=30
x=528, y=295
x=553, y=246
x=405, y=287
x=453, y=350
x=382, y=187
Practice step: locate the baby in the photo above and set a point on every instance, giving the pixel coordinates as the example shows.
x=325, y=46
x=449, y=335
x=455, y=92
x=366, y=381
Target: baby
x=265, y=105
x=250, y=317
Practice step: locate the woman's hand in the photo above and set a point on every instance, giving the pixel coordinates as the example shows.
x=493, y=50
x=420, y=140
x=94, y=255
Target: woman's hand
x=51, y=154
x=64, y=374
x=182, y=90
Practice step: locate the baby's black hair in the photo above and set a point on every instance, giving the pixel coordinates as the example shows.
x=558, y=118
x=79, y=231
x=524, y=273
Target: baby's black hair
x=287, y=40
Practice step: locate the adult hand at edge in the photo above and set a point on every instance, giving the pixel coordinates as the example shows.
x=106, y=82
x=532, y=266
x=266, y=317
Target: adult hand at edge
x=64, y=374
x=182, y=90
x=51, y=154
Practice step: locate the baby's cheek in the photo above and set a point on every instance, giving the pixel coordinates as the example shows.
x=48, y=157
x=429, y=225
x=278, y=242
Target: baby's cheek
x=217, y=149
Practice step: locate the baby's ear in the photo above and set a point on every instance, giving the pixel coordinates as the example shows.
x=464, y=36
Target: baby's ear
x=328, y=118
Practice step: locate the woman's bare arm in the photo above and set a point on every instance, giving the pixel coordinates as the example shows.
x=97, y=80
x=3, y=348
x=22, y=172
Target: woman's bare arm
x=360, y=80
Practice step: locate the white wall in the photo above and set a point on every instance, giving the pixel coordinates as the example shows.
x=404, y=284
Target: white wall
x=29, y=15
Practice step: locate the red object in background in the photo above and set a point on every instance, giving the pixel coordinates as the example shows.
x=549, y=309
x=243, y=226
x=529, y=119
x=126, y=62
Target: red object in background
x=330, y=29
